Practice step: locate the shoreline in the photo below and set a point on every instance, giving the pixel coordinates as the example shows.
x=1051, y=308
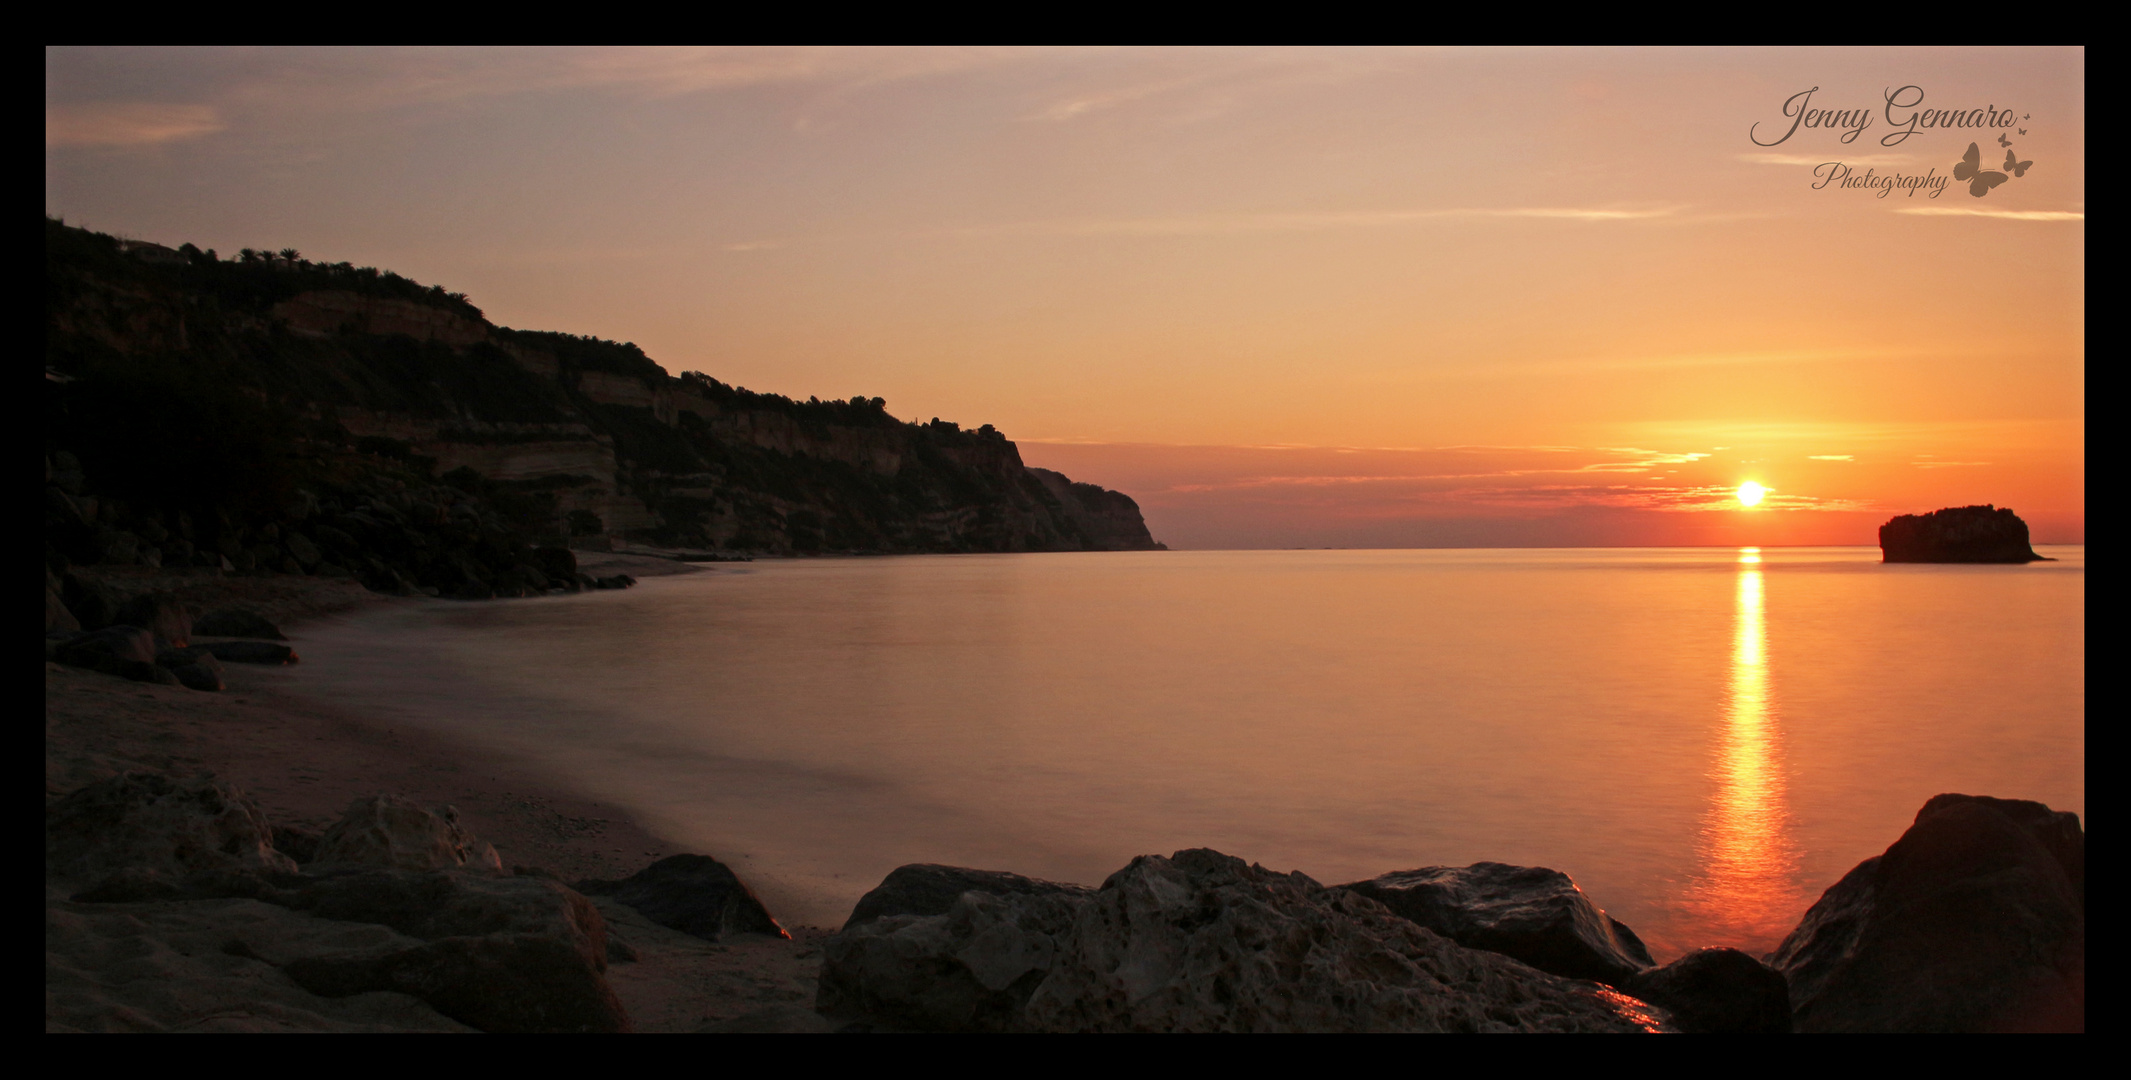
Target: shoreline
x=304, y=760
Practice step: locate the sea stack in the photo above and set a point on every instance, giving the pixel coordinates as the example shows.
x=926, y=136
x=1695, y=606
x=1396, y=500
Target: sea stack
x=1958, y=534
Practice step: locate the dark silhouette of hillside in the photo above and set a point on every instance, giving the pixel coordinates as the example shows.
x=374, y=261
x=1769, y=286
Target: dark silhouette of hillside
x=266, y=393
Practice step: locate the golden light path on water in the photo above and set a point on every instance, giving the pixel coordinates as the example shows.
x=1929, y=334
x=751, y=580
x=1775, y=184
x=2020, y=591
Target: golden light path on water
x=1746, y=892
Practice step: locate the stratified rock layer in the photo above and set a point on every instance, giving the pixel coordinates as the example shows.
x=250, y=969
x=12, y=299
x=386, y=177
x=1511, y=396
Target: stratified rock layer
x=1975, y=920
x=1532, y=913
x=1961, y=534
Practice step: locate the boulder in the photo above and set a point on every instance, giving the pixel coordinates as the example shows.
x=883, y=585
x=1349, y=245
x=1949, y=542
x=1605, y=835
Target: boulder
x=303, y=550
x=125, y=651
x=195, y=667
x=931, y=889
x=1717, y=991
x=157, y=824
x=93, y=602
x=390, y=830
x=251, y=652
x=970, y=968
x=1532, y=913
x=1975, y=920
x=694, y=894
x=160, y=613
x=502, y=954
x=239, y=622
x=1199, y=941
x=556, y=562
x=1959, y=534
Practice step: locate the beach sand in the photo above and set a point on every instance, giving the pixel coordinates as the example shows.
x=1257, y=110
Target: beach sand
x=304, y=760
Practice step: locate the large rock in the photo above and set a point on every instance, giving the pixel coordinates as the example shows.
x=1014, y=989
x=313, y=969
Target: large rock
x=1960, y=534
x=195, y=667
x=1975, y=920
x=251, y=652
x=1532, y=913
x=241, y=622
x=1197, y=942
x=94, y=603
x=931, y=889
x=694, y=894
x=1718, y=991
x=153, y=824
x=56, y=615
x=161, y=614
x=391, y=830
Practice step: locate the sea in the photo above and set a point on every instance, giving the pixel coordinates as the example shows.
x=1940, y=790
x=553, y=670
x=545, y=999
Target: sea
x=1703, y=738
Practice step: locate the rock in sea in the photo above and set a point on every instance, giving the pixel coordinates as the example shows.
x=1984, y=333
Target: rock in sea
x=1532, y=913
x=1975, y=920
x=1960, y=534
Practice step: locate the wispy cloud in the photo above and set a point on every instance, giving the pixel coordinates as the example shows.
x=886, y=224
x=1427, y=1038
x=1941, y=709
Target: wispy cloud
x=1223, y=224
x=2008, y=215
x=1946, y=464
x=1831, y=457
x=127, y=123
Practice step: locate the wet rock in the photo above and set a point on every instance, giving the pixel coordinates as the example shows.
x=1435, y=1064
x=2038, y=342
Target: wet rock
x=931, y=889
x=1200, y=941
x=390, y=830
x=1975, y=920
x=1959, y=534
x=158, y=824
x=1718, y=990
x=694, y=894
x=1532, y=913
x=237, y=622
x=251, y=652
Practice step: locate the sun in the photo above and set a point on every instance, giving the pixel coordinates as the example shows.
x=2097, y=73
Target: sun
x=1750, y=493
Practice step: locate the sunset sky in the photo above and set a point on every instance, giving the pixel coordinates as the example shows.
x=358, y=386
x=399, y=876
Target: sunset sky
x=1282, y=298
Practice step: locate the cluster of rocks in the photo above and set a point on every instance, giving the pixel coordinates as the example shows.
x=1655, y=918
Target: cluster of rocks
x=1973, y=921
x=391, y=535
x=395, y=906
x=149, y=637
x=1958, y=534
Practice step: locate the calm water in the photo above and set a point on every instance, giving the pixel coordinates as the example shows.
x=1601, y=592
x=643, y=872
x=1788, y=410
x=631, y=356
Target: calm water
x=1704, y=738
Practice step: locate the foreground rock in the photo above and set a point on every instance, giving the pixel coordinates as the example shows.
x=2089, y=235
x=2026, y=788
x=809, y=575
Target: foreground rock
x=1532, y=913
x=239, y=622
x=449, y=940
x=1975, y=920
x=158, y=826
x=1961, y=534
x=694, y=894
x=1718, y=991
x=388, y=830
x=1198, y=942
x=932, y=889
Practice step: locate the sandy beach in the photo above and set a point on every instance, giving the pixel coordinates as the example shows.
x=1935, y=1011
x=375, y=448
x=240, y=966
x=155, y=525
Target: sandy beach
x=304, y=760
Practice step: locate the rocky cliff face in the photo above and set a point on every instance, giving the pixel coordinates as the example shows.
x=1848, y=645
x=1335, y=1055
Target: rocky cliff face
x=257, y=375
x=1977, y=534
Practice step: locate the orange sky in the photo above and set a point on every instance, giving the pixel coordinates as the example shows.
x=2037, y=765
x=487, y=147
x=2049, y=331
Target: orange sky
x=1284, y=298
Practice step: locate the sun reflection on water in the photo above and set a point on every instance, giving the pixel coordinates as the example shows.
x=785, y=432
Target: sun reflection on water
x=1746, y=894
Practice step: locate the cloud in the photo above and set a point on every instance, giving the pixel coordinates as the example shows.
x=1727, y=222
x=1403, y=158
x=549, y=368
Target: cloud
x=1946, y=464
x=2009, y=215
x=127, y=123
x=1831, y=457
x=1229, y=224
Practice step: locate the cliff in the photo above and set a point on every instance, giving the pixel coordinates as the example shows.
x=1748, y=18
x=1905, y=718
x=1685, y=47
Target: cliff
x=1961, y=534
x=225, y=391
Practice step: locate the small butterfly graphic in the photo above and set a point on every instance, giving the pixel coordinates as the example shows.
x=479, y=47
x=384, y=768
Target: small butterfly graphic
x=1970, y=168
x=2003, y=141
x=2023, y=131
x=2017, y=168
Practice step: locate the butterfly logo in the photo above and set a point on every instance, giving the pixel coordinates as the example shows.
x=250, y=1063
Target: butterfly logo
x=2017, y=168
x=1970, y=168
x=2023, y=131
x=2003, y=141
